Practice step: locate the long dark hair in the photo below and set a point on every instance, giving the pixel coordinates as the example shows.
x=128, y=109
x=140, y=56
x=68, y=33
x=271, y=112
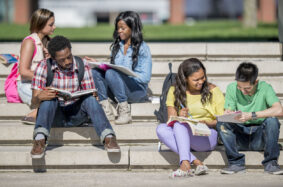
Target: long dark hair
x=133, y=21
x=186, y=69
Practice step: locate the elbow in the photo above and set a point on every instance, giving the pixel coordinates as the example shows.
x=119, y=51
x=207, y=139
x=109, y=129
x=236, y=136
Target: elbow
x=279, y=112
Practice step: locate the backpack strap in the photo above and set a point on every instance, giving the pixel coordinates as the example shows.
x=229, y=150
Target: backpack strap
x=81, y=68
x=170, y=67
x=50, y=74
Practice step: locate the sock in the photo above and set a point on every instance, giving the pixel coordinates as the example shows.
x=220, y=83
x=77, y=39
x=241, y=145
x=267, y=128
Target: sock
x=109, y=136
x=39, y=136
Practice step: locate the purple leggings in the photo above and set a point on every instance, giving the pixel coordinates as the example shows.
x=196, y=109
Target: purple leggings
x=180, y=140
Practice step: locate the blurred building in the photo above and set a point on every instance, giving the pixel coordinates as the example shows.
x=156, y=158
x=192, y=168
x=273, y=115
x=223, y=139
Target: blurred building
x=77, y=13
x=90, y=12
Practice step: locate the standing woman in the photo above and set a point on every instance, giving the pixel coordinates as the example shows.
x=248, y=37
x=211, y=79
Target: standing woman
x=191, y=94
x=33, y=50
x=128, y=50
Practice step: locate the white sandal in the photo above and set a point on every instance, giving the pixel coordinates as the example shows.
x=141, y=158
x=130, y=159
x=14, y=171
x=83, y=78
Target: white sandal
x=180, y=173
x=201, y=170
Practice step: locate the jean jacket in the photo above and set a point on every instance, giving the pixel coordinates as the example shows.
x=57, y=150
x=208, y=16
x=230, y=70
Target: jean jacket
x=144, y=66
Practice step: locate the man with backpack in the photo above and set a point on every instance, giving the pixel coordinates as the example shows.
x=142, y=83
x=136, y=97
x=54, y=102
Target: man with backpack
x=55, y=110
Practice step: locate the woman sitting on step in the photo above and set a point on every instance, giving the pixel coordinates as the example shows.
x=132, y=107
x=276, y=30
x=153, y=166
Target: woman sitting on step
x=191, y=95
x=128, y=50
x=33, y=50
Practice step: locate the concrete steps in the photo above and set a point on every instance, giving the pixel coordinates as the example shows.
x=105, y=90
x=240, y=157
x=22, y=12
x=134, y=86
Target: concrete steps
x=142, y=156
x=14, y=132
x=230, y=50
x=81, y=148
x=19, y=134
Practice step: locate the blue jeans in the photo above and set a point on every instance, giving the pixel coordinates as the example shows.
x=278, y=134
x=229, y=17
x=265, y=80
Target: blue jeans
x=239, y=137
x=51, y=113
x=113, y=84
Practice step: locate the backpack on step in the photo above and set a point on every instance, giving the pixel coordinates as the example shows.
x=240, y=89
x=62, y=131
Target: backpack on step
x=10, y=85
x=161, y=114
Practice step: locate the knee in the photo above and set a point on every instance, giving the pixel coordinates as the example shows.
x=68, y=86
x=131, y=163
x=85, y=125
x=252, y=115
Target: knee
x=161, y=130
x=223, y=128
x=90, y=100
x=180, y=127
x=97, y=74
x=49, y=104
x=271, y=125
x=111, y=75
x=219, y=125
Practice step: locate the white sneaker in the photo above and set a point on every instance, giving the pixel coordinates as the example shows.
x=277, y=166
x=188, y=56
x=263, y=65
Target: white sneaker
x=180, y=173
x=201, y=170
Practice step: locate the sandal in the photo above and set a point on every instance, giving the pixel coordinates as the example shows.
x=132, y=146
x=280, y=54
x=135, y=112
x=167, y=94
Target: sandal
x=180, y=173
x=28, y=120
x=201, y=170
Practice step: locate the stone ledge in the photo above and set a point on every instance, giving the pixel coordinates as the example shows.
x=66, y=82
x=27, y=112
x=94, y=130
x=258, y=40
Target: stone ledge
x=66, y=157
x=17, y=133
x=141, y=157
x=134, y=157
x=195, y=49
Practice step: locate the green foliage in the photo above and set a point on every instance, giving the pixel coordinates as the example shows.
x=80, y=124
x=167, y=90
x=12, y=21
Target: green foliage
x=199, y=31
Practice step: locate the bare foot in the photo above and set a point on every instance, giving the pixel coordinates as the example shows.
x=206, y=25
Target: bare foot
x=185, y=166
x=197, y=162
x=32, y=114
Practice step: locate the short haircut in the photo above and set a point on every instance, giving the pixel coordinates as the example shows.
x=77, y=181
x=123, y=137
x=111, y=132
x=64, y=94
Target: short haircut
x=58, y=43
x=247, y=71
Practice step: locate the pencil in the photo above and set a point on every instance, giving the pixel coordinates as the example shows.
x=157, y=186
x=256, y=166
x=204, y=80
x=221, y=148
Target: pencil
x=188, y=111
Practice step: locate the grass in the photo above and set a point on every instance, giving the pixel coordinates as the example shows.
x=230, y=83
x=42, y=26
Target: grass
x=200, y=31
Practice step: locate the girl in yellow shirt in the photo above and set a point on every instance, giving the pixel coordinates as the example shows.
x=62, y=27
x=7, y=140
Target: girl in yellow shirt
x=194, y=95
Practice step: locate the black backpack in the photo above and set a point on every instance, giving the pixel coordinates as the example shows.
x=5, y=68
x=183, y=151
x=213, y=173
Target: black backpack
x=50, y=73
x=161, y=114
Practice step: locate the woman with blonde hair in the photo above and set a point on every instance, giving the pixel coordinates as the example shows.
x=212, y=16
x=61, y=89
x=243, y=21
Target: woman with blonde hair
x=33, y=50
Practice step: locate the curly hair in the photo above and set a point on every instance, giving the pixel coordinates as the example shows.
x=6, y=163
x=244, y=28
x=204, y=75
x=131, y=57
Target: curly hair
x=58, y=43
x=186, y=69
x=133, y=21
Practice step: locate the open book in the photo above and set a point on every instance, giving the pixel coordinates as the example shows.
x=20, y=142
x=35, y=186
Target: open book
x=198, y=129
x=113, y=66
x=230, y=118
x=66, y=95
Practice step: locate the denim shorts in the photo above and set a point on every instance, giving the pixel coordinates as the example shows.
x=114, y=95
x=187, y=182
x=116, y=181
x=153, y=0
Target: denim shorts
x=25, y=92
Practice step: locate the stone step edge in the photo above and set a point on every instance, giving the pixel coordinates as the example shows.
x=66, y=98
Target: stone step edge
x=127, y=159
x=16, y=133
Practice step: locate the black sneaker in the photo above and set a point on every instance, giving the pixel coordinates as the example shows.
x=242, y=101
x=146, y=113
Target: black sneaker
x=233, y=169
x=272, y=167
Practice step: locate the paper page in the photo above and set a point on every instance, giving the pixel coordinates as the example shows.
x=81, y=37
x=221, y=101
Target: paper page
x=62, y=92
x=94, y=64
x=123, y=70
x=198, y=129
x=82, y=92
x=230, y=118
x=68, y=95
x=119, y=68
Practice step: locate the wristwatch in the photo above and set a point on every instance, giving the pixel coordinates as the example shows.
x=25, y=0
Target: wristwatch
x=254, y=117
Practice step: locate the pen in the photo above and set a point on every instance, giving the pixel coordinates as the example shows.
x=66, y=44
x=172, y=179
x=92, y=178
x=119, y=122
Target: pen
x=188, y=111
